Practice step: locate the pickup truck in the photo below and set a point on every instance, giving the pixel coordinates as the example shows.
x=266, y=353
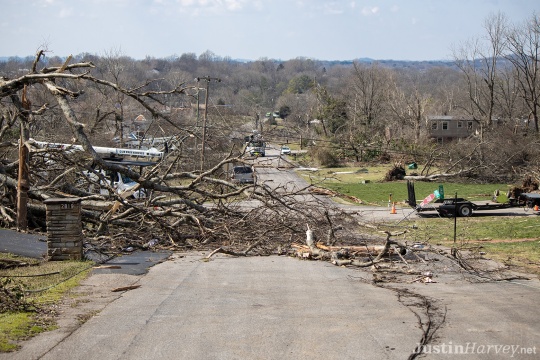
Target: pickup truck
x=243, y=174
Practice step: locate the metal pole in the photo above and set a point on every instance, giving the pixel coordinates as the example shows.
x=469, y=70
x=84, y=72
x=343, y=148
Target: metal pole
x=205, y=118
x=454, y=250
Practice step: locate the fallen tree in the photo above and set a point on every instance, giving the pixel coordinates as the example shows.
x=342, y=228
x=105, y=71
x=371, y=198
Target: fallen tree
x=348, y=255
x=185, y=208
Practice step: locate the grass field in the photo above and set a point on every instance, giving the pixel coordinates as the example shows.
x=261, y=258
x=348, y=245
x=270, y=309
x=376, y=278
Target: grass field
x=512, y=240
x=367, y=185
x=27, y=294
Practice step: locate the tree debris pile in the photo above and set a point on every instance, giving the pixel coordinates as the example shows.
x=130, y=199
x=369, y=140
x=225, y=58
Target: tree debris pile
x=184, y=206
x=401, y=262
x=529, y=186
x=12, y=297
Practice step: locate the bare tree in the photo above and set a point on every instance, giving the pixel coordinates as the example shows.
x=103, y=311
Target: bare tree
x=478, y=61
x=409, y=106
x=369, y=92
x=524, y=46
x=510, y=104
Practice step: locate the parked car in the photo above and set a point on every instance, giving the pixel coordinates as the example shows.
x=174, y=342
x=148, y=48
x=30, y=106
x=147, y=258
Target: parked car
x=285, y=150
x=243, y=174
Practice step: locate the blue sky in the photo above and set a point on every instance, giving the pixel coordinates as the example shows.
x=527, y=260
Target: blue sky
x=251, y=29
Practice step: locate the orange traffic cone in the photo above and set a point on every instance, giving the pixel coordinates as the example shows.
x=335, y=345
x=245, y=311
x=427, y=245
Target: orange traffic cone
x=393, y=211
x=536, y=208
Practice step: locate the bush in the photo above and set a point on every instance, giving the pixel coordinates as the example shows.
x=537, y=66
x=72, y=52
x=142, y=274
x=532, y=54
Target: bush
x=325, y=157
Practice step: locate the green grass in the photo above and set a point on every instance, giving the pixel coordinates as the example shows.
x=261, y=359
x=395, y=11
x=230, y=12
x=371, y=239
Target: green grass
x=340, y=175
x=366, y=184
x=16, y=326
x=42, y=292
x=512, y=240
x=524, y=254
x=473, y=229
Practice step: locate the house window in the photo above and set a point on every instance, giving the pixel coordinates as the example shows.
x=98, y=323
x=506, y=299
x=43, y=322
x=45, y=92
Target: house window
x=469, y=125
x=460, y=124
x=445, y=125
x=433, y=125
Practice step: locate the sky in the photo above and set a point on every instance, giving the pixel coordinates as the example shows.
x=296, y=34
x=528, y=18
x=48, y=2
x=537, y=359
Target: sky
x=251, y=29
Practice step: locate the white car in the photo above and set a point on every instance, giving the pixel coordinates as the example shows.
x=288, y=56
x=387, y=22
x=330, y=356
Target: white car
x=119, y=182
x=285, y=150
x=122, y=184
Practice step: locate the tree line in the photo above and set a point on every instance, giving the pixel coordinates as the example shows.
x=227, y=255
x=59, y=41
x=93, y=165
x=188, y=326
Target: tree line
x=354, y=109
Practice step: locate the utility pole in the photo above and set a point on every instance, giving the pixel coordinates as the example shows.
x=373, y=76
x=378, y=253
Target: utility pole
x=23, y=181
x=205, y=118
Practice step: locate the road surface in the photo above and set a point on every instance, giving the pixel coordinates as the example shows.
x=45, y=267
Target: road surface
x=285, y=308
x=249, y=308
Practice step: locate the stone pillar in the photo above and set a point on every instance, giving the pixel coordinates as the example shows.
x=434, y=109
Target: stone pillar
x=64, y=229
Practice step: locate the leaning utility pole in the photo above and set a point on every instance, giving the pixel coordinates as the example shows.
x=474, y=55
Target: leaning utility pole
x=205, y=118
x=23, y=183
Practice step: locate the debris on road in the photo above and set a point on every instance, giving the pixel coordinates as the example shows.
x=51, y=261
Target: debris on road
x=126, y=288
x=323, y=191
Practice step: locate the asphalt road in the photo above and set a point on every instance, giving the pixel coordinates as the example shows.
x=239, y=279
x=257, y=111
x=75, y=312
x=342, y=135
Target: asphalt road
x=245, y=308
x=29, y=245
x=285, y=308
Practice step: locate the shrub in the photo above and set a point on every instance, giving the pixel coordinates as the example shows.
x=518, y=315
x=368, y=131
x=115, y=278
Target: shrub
x=325, y=157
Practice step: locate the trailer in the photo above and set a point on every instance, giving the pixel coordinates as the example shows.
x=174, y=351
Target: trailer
x=104, y=151
x=463, y=207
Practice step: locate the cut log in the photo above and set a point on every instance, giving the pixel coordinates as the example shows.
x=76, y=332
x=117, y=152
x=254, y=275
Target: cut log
x=97, y=205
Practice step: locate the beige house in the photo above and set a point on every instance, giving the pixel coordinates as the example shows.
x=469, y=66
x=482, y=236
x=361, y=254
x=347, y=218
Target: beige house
x=447, y=128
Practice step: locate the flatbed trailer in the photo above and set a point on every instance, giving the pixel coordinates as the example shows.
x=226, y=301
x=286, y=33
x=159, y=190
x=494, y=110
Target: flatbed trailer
x=464, y=207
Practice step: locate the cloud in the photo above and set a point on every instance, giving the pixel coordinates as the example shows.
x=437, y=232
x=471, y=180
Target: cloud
x=46, y=3
x=370, y=10
x=65, y=13
x=234, y=5
x=201, y=7
x=328, y=7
